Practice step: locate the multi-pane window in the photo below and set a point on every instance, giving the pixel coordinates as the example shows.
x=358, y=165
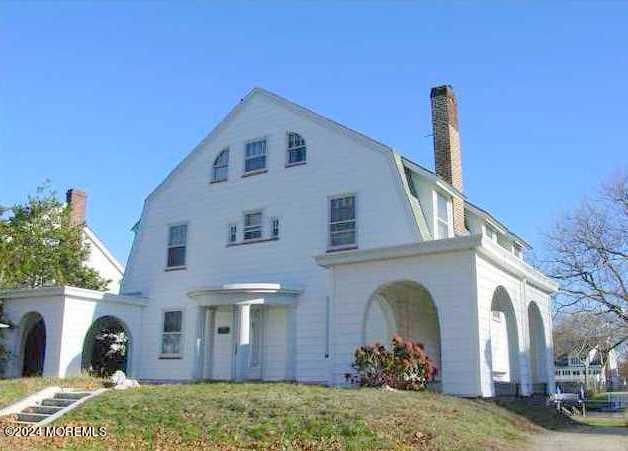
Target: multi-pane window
x=296, y=149
x=274, y=228
x=491, y=233
x=177, y=242
x=255, y=156
x=342, y=222
x=516, y=249
x=172, y=335
x=232, y=233
x=442, y=216
x=220, y=169
x=252, y=226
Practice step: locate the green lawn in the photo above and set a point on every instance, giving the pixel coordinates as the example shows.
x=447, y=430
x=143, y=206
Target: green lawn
x=287, y=416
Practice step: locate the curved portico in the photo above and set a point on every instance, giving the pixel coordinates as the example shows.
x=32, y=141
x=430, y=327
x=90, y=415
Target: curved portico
x=248, y=330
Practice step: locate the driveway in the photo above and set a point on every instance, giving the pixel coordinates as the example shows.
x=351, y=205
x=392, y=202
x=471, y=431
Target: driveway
x=583, y=438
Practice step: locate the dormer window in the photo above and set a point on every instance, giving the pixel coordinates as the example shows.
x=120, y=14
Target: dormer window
x=516, y=249
x=442, y=217
x=491, y=232
x=296, y=149
x=220, y=169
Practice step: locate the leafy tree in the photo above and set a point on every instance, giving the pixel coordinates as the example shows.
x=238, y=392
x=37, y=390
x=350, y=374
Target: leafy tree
x=39, y=246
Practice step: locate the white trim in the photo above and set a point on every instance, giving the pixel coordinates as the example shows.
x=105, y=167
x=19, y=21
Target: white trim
x=213, y=178
x=483, y=246
x=288, y=149
x=260, y=226
x=48, y=293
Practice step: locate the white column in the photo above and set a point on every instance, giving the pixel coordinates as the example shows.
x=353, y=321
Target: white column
x=244, y=329
x=524, y=342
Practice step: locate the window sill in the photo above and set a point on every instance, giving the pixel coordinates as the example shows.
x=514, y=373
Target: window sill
x=175, y=268
x=341, y=248
x=257, y=240
x=256, y=172
x=300, y=163
x=213, y=182
x=170, y=357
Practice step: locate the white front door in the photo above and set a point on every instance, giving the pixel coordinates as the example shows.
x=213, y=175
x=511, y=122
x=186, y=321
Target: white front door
x=256, y=338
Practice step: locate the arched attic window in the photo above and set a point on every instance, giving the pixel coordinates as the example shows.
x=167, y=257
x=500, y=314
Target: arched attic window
x=220, y=169
x=296, y=149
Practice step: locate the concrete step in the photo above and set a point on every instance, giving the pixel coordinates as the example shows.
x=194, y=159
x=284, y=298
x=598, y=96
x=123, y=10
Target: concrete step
x=31, y=417
x=55, y=402
x=72, y=394
x=47, y=410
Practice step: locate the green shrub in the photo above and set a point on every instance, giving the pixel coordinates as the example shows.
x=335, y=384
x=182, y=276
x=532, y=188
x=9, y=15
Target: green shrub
x=406, y=366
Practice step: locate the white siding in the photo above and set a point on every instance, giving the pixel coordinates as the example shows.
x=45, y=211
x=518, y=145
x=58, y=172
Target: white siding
x=298, y=196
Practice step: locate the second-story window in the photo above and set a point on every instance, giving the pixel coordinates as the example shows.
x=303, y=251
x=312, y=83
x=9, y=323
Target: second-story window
x=296, y=149
x=342, y=222
x=442, y=216
x=255, y=156
x=220, y=169
x=252, y=226
x=177, y=243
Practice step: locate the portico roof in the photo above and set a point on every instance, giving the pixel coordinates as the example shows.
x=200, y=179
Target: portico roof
x=246, y=293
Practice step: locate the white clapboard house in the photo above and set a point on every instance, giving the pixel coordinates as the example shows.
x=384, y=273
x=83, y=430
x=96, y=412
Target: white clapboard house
x=285, y=240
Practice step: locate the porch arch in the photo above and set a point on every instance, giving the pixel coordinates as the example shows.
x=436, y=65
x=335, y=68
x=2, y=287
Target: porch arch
x=538, y=347
x=504, y=335
x=405, y=308
x=32, y=345
x=107, y=331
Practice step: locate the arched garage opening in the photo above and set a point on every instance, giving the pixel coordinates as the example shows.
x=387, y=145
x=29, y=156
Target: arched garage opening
x=538, y=349
x=405, y=308
x=32, y=344
x=107, y=347
x=504, y=344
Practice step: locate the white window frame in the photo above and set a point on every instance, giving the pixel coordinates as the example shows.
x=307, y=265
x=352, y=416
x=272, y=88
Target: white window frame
x=181, y=333
x=215, y=179
x=259, y=170
x=294, y=148
x=355, y=220
x=438, y=196
x=169, y=246
x=246, y=228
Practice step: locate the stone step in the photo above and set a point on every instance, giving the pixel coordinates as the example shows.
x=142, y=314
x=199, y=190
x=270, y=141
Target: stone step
x=55, y=402
x=72, y=394
x=48, y=410
x=31, y=417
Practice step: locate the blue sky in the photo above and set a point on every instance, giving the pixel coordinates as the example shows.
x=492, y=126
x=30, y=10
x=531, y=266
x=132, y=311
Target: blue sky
x=109, y=97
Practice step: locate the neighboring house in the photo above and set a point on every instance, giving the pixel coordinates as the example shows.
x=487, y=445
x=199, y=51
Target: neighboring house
x=285, y=240
x=99, y=257
x=590, y=371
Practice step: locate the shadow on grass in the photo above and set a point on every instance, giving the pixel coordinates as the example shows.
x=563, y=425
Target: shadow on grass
x=542, y=416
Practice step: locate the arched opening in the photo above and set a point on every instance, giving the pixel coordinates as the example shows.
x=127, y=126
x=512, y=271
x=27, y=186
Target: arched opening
x=107, y=347
x=504, y=344
x=538, y=366
x=407, y=309
x=32, y=345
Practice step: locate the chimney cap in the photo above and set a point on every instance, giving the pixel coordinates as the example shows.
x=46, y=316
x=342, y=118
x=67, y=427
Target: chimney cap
x=443, y=90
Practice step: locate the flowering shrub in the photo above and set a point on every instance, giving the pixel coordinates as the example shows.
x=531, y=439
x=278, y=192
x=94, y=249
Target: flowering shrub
x=406, y=366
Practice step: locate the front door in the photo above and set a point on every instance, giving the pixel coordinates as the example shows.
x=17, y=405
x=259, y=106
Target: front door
x=256, y=338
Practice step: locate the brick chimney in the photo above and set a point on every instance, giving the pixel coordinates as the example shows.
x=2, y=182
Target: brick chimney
x=447, y=155
x=77, y=201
